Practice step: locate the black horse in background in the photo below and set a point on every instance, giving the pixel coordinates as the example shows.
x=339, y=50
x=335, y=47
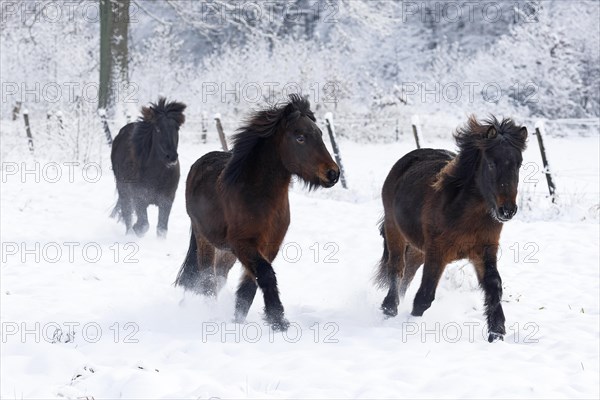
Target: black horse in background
x=146, y=165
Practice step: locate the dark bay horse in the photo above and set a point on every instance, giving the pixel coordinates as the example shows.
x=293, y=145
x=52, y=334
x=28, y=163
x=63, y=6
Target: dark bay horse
x=146, y=165
x=441, y=207
x=239, y=208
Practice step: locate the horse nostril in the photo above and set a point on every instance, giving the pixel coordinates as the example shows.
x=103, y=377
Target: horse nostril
x=507, y=212
x=333, y=175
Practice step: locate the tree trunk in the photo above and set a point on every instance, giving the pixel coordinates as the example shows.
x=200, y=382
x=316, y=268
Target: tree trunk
x=114, y=25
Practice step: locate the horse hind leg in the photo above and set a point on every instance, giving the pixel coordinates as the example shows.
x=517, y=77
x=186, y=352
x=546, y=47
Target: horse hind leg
x=245, y=296
x=413, y=259
x=206, y=258
x=197, y=273
x=224, y=260
x=123, y=209
x=391, y=267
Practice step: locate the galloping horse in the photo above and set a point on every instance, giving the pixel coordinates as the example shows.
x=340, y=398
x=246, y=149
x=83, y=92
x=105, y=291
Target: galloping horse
x=146, y=165
x=239, y=208
x=441, y=207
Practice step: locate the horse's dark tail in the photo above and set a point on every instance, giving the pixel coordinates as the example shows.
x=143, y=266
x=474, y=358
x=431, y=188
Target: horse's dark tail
x=382, y=277
x=188, y=273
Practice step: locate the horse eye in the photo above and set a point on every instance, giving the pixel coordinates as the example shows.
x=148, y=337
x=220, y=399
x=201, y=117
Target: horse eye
x=300, y=139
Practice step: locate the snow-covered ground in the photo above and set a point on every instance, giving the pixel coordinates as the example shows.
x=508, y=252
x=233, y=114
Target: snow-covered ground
x=92, y=312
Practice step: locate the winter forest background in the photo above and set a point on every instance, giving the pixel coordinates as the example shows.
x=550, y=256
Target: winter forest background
x=373, y=63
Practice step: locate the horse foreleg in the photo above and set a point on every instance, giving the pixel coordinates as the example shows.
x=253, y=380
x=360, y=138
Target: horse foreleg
x=432, y=271
x=126, y=212
x=256, y=265
x=164, y=210
x=491, y=283
x=267, y=281
x=141, y=225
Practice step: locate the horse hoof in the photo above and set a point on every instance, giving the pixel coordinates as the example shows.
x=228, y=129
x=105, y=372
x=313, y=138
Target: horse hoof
x=494, y=337
x=417, y=312
x=280, y=325
x=140, y=230
x=389, y=312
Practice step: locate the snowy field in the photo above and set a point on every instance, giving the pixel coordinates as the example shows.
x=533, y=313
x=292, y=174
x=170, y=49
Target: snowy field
x=90, y=312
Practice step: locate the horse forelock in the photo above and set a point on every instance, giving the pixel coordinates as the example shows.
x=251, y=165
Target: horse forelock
x=473, y=136
x=472, y=140
x=151, y=116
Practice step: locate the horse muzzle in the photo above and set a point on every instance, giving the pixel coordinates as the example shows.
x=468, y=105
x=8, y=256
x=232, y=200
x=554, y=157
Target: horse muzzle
x=506, y=212
x=332, y=177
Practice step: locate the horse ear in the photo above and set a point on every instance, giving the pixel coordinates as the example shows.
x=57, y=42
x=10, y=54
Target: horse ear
x=148, y=113
x=491, y=133
x=523, y=133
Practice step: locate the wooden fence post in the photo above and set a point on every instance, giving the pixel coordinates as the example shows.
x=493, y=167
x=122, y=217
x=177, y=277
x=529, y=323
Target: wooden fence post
x=415, y=124
x=539, y=128
x=221, y=133
x=204, y=127
x=336, y=149
x=16, y=110
x=61, y=127
x=28, y=130
x=105, y=126
x=49, y=123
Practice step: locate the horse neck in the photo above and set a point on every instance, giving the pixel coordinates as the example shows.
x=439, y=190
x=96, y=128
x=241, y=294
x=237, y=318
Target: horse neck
x=461, y=193
x=144, y=152
x=264, y=171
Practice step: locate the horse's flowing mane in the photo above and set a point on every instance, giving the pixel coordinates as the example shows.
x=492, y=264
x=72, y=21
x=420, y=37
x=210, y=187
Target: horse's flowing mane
x=151, y=115
x=260, y=125
x=472, y=139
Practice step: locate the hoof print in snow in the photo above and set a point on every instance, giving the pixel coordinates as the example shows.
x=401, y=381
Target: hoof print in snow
x=84, y=373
